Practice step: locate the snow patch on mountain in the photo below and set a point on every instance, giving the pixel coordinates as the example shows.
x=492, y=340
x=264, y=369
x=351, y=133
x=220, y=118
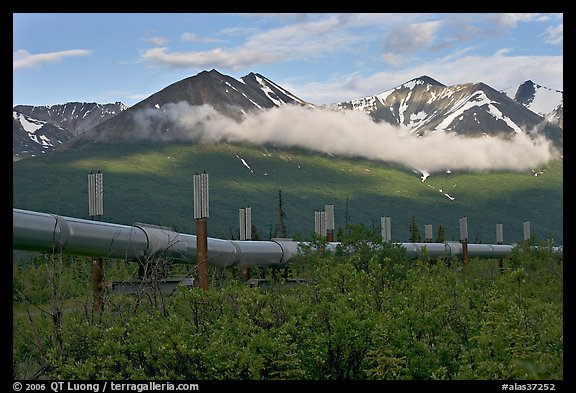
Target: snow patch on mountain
x=244, y=163
x=29, y=125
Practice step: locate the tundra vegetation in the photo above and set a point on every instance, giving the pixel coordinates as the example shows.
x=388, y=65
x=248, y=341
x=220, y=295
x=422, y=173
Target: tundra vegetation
x=153, y=184
x=360, y=314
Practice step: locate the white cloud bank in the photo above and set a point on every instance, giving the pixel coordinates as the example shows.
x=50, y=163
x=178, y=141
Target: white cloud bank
x=345, y=133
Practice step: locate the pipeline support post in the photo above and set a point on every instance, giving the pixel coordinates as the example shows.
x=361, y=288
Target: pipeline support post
x=428, y=239
x=245, y=218
x=317, y=224
x=465, y=251
x=95, y=211
x=202, y=252
x=386, y=229
x=500, y=240
x=329, y=235
x=464, y=239
x=329, y=222
x=97, y=285
x=200, y=214
x=245, y=273
x=526, y=228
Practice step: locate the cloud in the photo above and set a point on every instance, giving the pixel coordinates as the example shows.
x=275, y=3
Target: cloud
x=283, y=17
x=392, y=59
x=193, y=37
x=214, y=58
x=433, y=32
x=404, y=39
x=344, y=133
x=449, y=70
x=554, y=35
x=157, y=41
x=510, y=20
x=412, y=37
x=23, y=59
x=302, y=40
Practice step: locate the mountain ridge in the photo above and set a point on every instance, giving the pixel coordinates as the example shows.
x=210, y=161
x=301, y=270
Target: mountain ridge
x=148, y=180
x=424, y=105
x=43, y=129
x=421, y=106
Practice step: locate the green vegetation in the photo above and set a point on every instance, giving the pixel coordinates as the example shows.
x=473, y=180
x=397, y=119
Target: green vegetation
x=364, y=314
x=153, y=184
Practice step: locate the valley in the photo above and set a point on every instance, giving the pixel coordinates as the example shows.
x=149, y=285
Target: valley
x=152, y=183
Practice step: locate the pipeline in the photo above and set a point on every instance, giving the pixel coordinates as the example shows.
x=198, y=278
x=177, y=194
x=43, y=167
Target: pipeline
x=42, y=232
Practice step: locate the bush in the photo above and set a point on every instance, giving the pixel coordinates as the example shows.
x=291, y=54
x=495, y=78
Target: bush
x=366, y=313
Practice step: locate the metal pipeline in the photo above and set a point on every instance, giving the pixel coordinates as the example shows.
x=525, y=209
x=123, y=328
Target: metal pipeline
x=42, y=232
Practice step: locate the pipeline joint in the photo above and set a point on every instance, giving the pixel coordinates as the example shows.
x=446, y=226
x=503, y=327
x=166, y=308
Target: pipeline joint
x=163, y=239
x=61, y=237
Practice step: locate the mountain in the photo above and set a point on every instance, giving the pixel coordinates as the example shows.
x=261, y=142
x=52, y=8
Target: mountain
x=421, y=105
x=539, y=99
x=149, y=179
x=40, y=129
x=31, y=137
x=229, y=97
x=76, y=117
x=557, y=116
x=424, y=105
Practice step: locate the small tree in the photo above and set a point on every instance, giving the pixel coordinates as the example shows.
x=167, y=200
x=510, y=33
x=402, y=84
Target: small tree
x=280, y=230
x=340, y=234
x=441, y=234
x=346, y=214
x=414, y=232
x=255, y=234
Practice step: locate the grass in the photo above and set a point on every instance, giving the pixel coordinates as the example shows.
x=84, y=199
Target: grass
x=153, y=184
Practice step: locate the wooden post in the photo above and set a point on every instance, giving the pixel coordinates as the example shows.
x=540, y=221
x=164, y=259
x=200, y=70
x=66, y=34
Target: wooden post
x=464, y=239
x=500, y=240
x=201, y=212
x=97, y=285
x=329, y=222
x=202, y=252
x=96, y=210
x=245, y=273
x=330, y=235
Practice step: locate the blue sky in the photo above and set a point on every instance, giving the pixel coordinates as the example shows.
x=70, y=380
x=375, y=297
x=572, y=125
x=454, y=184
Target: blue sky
x=321, y=58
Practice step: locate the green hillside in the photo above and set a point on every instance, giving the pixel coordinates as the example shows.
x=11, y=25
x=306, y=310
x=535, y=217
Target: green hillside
x=154, y=184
